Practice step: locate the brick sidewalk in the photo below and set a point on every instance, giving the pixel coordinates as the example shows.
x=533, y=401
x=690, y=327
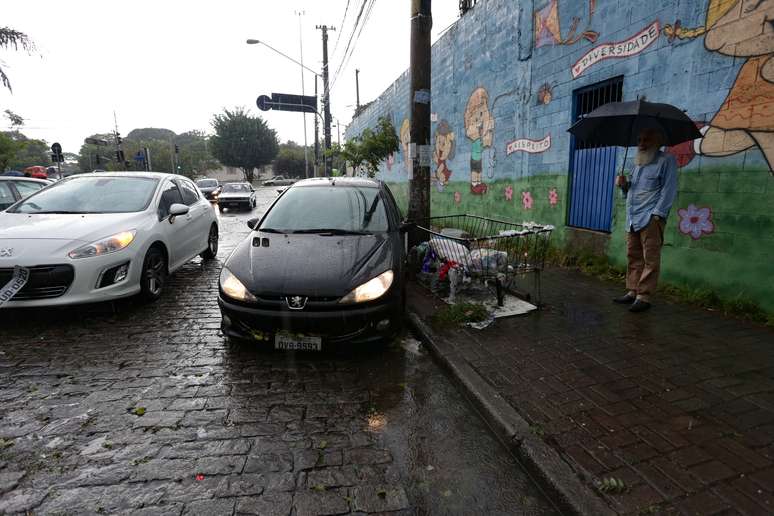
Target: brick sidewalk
x=676, y=402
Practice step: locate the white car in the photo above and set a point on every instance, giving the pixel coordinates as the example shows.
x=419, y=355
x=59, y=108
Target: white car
x=102, y=236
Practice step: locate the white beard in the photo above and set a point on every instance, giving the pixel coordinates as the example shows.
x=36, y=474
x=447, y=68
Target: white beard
x=645, y=157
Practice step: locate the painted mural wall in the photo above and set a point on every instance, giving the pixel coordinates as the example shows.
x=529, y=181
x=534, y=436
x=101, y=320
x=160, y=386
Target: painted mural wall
x=506, y=84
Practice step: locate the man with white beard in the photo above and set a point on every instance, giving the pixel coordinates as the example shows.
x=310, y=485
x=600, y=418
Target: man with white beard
x=649, y=192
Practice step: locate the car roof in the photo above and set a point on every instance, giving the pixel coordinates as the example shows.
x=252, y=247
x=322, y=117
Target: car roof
x=20, y=178
x=340, y=181
x=146, y=175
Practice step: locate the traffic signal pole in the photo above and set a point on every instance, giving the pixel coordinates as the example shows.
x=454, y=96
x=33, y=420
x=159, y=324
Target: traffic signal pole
x=419, y=100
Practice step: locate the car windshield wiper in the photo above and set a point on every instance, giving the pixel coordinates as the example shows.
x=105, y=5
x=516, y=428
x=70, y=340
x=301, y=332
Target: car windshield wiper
x=271, y=230
x=331, y=231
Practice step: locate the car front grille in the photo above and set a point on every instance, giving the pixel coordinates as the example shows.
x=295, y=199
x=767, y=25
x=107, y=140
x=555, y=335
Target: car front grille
x=46, y=281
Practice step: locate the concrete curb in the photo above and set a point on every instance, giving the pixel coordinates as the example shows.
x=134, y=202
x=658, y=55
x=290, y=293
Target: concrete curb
x=542, y=461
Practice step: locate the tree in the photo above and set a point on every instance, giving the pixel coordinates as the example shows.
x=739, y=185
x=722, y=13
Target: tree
x=7, y=150
x=15, y=119
x=29, y=151
x=370, y=148
x=13, y=38
x=290, y=160
x=242, y=140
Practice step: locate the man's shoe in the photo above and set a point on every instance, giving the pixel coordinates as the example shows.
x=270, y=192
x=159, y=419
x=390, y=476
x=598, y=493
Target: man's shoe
x=625, y=300
x=639, y=306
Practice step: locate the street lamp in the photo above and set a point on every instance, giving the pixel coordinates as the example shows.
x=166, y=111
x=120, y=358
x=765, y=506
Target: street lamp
x=301, y=64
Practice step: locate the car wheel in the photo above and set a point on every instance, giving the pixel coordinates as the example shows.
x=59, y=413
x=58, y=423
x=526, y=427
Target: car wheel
x=212, y=244
x=154, y=274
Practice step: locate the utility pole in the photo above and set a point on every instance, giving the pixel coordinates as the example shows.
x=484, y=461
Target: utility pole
x=316, y=136
x=419, y=100
x=326, y=98
x=357, y=90
x=301, y=45
x=117, y=137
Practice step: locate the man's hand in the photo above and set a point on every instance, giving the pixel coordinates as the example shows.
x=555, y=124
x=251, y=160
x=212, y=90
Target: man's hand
x=621, y=181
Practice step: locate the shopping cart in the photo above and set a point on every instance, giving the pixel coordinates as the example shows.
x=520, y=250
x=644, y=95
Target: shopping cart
x=494, y=251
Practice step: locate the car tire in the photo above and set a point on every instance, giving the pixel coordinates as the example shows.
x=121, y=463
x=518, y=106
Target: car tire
x=154, y=274
x=212, y=244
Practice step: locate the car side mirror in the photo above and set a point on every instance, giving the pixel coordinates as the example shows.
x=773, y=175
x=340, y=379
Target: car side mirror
x=405, y=226
x=176, y=210
x=253, y=223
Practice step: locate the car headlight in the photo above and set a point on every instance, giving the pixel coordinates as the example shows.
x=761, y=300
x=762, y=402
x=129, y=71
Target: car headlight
x=107, y=245
x=233, y=288
x=370, y=290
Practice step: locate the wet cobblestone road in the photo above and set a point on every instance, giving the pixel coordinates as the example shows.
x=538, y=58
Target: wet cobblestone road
x=145, y=409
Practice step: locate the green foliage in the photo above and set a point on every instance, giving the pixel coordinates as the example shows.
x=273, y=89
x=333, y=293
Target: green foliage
x=15, y=119
x=10, y=38
x=193, y=159
x=290, y=160
x=29, y=152
x=612, y=485
x=370, y=148
x=7, y=150
x=459, y=314
x=242, y=140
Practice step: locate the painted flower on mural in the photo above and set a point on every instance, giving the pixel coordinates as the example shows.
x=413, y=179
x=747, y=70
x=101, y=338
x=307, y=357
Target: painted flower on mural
x=695, y=222
x=553, y=197
x=526, y=200
x=508, y=193
x=457, y=197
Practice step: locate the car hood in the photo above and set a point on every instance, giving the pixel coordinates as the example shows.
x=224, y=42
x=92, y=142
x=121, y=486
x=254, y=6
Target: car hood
x=310, y=265
x=71, y=227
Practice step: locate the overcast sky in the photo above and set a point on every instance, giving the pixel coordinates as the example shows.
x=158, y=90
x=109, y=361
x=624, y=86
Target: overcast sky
x=175, y=63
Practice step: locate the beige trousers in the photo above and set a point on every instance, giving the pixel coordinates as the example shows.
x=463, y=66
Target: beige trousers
x=643, y=250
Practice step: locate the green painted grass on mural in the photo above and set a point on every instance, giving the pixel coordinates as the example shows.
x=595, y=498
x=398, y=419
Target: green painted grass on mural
x=538, y=199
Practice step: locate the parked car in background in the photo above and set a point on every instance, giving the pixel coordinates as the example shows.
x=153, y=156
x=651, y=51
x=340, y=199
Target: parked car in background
x=37, y=171
x=104, y=236
x=324, y=265
x=237, y=196
x=209, y=187
x=13, y=189
x=279, y=181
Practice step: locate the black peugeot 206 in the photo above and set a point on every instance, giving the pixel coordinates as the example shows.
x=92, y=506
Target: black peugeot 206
x=324, y=265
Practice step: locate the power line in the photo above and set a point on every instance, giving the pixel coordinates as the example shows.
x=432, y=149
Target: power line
x=343, y=19
x=347, y=57
x=352, y=35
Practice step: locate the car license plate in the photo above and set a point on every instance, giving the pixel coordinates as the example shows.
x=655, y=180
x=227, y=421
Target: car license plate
x=297, y=342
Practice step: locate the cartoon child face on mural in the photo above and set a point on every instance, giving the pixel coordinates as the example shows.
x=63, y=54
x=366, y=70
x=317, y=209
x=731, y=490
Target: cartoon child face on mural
x=743, y=28
x=479, y=128
x=443, y=151
x=405, y=138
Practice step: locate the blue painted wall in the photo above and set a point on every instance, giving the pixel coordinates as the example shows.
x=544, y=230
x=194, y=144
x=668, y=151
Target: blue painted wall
x=724, y=236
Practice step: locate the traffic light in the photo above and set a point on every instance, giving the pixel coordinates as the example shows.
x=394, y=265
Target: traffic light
x=177, y=149
x=118, y=139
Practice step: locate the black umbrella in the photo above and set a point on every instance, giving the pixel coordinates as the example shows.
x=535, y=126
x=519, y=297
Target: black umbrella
x=619, y=123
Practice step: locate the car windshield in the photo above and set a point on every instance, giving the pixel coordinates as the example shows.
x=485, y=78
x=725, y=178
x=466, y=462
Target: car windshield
x=328, y=208
x=89, y=194
x=207, y=183
x=236, y=187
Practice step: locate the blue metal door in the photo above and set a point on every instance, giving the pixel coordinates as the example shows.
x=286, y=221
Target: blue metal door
x=592, y=168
